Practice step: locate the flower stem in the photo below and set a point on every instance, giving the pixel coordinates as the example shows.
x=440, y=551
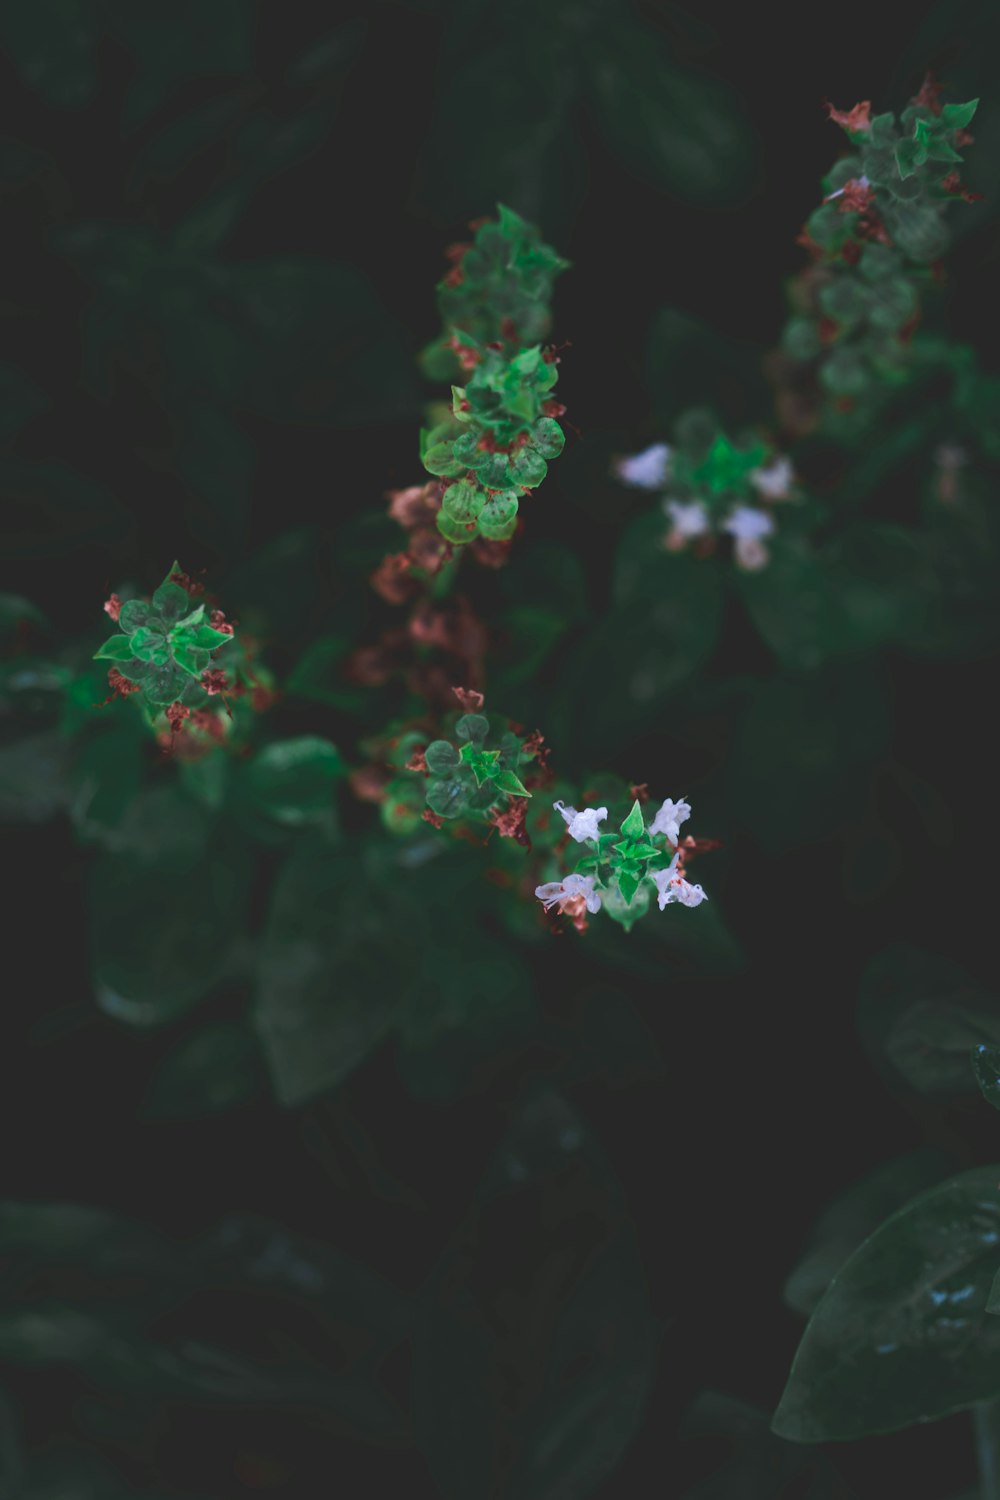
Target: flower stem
x=986, y=1422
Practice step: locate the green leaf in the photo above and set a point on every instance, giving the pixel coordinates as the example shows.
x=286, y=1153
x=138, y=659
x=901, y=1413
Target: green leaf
x=192, y=661
x=855, y=1214
x=498, y=517
x=628, y=884
x=473, y=728
x=921, y=1013
x=216, y=1069
x=901, y=1335
x=507, y=781
x=548, y=437
x=333, y=960
x=462, y=502
x=440, y=459
x=116, y=648
x=292, y=780
x=986, y=1069
x=166, y=912
x=441, y=757
x=633, y=827
x=134, y=615
x=526, y=1388
x=449, y=797
x=209, y=639
x=171, y=602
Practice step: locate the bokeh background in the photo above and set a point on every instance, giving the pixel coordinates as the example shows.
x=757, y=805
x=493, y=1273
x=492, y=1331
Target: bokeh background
x=223, y=224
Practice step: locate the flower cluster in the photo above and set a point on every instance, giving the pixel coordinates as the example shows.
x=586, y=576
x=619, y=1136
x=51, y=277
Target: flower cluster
x=166, y=653
x=877, y=237
x=499, y=289
x=712, y=487
x=495, y=444
x=472, y=774
x=621, y=871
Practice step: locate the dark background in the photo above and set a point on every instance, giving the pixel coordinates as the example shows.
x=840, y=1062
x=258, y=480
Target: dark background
x=765, y=1106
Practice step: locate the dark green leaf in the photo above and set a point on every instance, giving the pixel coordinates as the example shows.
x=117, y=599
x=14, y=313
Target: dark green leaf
x=218, y=1068
x=853, y=1216
x=524, y=1388
x=116, y=648
x=921, y=1013
x=901, y=1334
x=986, y=1068
x=441, y=757
x=293, y=780
x=333, y=958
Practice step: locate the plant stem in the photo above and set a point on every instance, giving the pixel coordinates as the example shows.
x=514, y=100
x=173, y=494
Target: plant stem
x=986, y=1421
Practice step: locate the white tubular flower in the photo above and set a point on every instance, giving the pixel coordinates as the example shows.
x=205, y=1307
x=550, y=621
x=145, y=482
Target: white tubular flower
x=646, y=470
x=748, y=526
x=669, y=818
x=775, y=481
x=689, y=517
x=671, y=886
x=569, y=889
x=582, y=825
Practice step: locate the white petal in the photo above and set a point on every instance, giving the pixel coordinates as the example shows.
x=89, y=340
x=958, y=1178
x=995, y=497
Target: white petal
x=646, y=470
x=669, y=818
x=746, y=522
x=775, y=481
x=690, y=517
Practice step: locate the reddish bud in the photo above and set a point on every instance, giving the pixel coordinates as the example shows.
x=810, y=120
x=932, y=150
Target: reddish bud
x=186, y=582
x=214, y=680
x=639, y=792
x=113, y=607
x=433, y=818
x=391, y=579
x=417, y=762
x=855, y=120
x=553, y=408
x=218, y=621
x=927, y=95
x=470, y=700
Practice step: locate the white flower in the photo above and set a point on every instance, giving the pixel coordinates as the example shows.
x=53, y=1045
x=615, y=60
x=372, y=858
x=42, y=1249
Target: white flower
x=582, y=825
x=748, y=526
x=646, y=470
x=671, y=886
x=565, y=890
x=669, y=818
x=690, y=518
x=775, y=481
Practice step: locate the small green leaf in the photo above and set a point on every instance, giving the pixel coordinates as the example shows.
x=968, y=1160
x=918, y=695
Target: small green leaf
x=208, y=638
x=474, y=727
x=117, y=648
x=449, y=798
x=548, y=437
x=134, y=614
x=190, y=660
x=441, y=757
x=628, y=884
x=440, y=460
x=170, y=602
x=292, y=780
x=633, y=826
x=986, y=1069
x=507, y=781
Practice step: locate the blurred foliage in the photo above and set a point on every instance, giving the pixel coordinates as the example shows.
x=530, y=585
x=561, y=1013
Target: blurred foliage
x=473, y=1121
